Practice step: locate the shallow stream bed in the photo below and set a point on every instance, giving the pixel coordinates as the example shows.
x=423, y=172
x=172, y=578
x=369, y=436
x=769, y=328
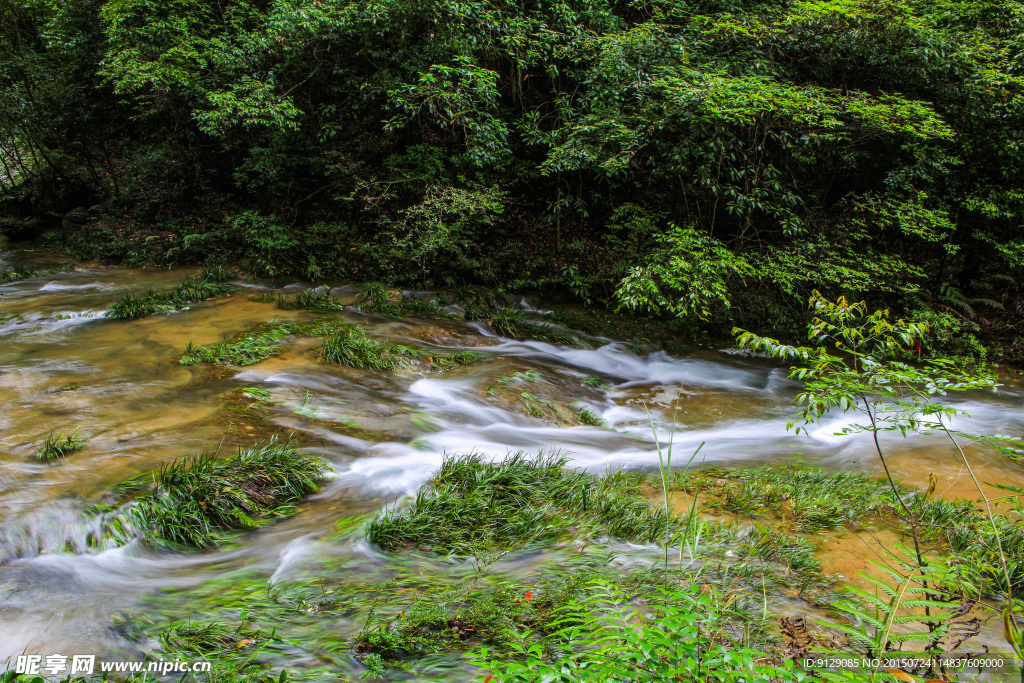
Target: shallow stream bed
x=64, y=366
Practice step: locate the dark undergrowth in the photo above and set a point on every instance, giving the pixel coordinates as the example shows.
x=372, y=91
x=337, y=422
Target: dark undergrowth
x=472, y=505
x=193, y=502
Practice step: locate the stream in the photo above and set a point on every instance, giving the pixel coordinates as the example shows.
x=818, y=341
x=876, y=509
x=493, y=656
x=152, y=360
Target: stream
x=63, y=366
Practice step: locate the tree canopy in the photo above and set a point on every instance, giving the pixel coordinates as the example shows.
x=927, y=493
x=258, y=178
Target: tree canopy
x=714, y=159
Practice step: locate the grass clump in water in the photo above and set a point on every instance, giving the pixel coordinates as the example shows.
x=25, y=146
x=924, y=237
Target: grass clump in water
x=193, y=502
x=510, y=321
x=443, y=362
x=816, y=500
x=258, y=344
x=350, y=346
x=257, y=393
x=188, y=291
x=471, y=505
x=16, y=274
x=378, y=298
x=317, y=300
x=447, y=618
x=586, y=416
x=60, y=444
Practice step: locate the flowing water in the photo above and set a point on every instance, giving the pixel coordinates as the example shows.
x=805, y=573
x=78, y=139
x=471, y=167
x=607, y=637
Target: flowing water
x=62, y=366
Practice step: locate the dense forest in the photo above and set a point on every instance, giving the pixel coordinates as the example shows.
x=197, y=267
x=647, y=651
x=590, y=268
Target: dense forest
x=712, y=160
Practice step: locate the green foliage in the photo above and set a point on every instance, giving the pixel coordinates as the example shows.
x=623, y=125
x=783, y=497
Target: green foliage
x=817, y=500
x=260, y=343
x=375, y=297
x=511, y=321
x=350, y=346
x=892, y=395
x=192, y=503
x=912, y=596
x=586, y=416
x=473, y=506
x=188, y=291
x=678, y=634
x=458, y=616
x=687, y=278
x=316, y=300
x=15, y=275
x=709, y=159
x=60, y=444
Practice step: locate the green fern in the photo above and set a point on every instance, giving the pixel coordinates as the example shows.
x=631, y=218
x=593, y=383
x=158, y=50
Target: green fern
x=932, y=589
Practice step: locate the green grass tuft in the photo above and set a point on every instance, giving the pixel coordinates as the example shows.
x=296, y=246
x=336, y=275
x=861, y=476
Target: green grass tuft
x=350, y=346
x=312, y=300
x=60, y=444
x=257, y=393
x=378, y=298
x=15, y=275
x=586, y=416
x=471, y=505
x=597, y=382
x=217, y=274
x=513, y=322
x=196, y=500
x=188, y=291
x=258, y=344
x=815, y=501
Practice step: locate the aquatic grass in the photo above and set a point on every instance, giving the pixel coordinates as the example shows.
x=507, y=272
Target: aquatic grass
x=193, y=502
x=812, y=500
x=689, y=633
x=217, y=274
x=188, y=291
x=975, y=544
x=529, y=375
x=207, y=639
x=587, y=416
x=58, y=445
x=471, y=505
x=816, y=500
x=451, y=617
x=597, y=382
x=350, y=346
x=257, y=393
x=510, y=321
x=258, y=344
x=377, y=297
x=317, y=300
x=443, y=362
x=17, y=274
x=793, y=552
